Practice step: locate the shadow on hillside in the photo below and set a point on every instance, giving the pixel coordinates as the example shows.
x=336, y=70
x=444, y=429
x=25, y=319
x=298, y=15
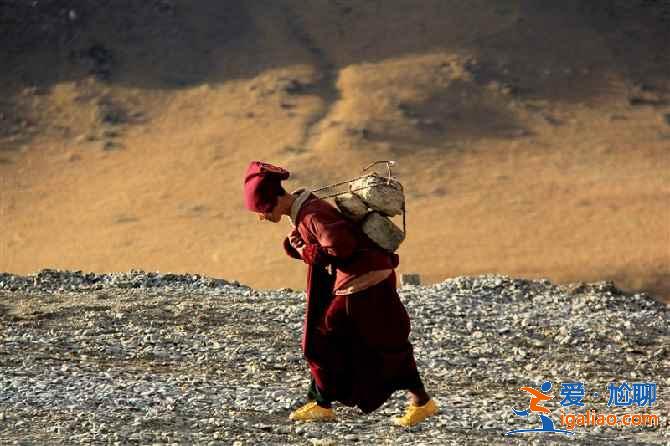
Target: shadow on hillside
x=534, y=49
x=155, y=44
x=167, y=44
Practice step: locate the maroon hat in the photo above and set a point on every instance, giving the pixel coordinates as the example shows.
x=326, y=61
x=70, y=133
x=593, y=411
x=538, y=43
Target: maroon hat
x=262, y=186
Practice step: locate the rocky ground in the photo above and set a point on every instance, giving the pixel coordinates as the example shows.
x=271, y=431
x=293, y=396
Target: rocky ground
x=139, y=358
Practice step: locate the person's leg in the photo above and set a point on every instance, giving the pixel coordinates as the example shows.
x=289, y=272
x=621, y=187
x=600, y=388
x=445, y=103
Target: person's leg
x=421, y=404
x=314, y=394
x=402, y=361
x=328, y=365
x=419, y=396
x=417, y=392
x=318, y=409
x=383, y=351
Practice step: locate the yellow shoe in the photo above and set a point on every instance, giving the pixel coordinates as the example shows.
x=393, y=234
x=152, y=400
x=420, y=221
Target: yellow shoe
x=416, y=414
x=312, y=412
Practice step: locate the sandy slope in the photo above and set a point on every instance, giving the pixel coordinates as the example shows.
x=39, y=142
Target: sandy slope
x=532, y=141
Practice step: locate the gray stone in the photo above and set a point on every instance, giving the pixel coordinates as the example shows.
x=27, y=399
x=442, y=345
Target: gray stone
x=383, y=231
x=384, y=195
x=410, y=279
x=351, y=206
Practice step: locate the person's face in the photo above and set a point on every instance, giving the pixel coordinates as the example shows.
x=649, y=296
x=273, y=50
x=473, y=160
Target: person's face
x=274, y=216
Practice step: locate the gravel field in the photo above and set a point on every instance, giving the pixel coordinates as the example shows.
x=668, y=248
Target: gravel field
x=142, y=358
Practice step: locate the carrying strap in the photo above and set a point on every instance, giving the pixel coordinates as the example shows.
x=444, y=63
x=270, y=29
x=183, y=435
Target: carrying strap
x=297, y=204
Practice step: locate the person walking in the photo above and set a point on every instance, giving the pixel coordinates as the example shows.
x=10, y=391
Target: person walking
x=356, y=329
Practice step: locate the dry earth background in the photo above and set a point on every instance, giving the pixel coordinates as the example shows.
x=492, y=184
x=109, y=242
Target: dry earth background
x=532, y=137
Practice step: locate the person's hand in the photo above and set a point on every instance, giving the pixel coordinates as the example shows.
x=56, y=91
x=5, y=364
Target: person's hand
x=297, y=242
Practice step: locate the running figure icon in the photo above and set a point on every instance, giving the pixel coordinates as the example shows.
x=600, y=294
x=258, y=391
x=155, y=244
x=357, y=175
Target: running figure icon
x=535, y=406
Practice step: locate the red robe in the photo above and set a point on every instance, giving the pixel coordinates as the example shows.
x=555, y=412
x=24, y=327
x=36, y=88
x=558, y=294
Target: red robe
x=356, y=345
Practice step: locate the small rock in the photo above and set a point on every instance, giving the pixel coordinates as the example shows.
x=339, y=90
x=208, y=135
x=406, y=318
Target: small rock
x=111, y=145
x=293, y=86
x=410, y=279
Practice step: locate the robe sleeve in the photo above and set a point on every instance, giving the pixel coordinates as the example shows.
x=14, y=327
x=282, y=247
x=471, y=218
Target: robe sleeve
x=313, y=254
x=335, y=239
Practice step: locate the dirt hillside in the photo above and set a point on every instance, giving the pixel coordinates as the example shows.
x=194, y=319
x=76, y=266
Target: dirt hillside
x=533, y=141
